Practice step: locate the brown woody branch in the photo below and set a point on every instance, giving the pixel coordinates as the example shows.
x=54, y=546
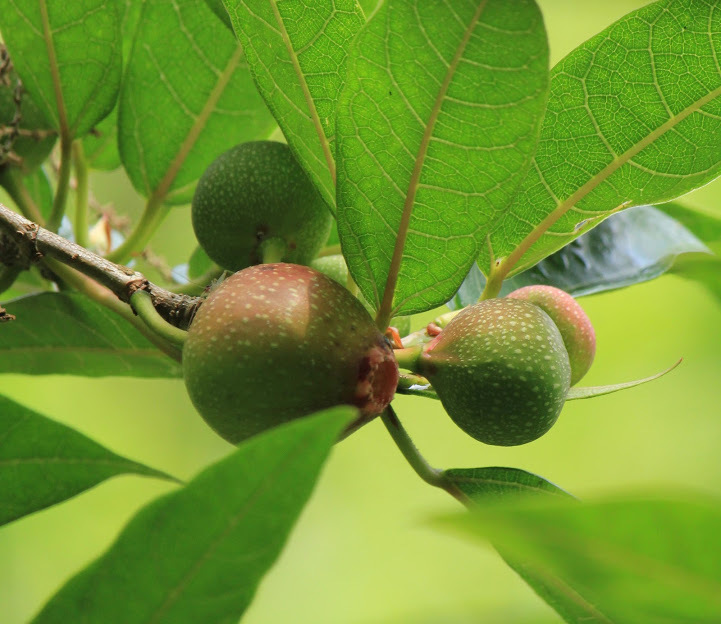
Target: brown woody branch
x=23, y=242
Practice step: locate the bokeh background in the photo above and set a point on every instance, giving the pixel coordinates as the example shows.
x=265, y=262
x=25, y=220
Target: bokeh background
x=363, y=552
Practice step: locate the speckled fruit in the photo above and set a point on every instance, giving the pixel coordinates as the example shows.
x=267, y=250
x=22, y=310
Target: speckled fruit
x=500, y=370
x=278, y=341
x=570, y=318
x=254, y=192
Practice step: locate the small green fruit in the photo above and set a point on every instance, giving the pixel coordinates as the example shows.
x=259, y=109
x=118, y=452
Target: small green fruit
x=257, y=192
x=570, y=318
x=278, y=341
x=500, y=370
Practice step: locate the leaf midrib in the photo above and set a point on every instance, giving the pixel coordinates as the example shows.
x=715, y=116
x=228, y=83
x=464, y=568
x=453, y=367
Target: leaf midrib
x=385, y=311
x=507, y=264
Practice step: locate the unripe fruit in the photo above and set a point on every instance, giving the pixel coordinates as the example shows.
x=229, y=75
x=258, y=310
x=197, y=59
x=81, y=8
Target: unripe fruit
x=278, y=341
x=570, y=318
x=500, y=370
x=252, y=193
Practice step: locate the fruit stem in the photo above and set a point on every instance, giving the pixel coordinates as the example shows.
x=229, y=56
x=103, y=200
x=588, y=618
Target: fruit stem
x=272, y=250
x=432, y=476
x=63, y=184
x=142, y=304
x=407, y=358
x=81, y=194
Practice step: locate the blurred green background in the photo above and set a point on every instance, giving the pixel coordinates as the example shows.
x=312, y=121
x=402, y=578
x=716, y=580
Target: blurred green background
x=362, y=552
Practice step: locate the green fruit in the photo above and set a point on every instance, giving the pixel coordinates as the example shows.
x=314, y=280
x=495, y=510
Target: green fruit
x=335, y=267
x=500, y=370
x=257, y=192
x=278, y=341
x=573, y=323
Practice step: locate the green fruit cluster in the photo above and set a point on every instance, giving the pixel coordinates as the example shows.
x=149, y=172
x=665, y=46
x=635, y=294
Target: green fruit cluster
x=253, y=195
x=278, y=341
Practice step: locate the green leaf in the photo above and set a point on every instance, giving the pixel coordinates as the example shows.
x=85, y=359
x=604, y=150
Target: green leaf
x=217, y=7
x=634, y=117
x=495, y=483
x=63, y=334
x=198, y=263
x=630, y=247
x=622, y=562
x=187, y=97
x=101, y=145
x=593, y=391
x=297, y=52
x=436, y=125
x=68, y=55
x=705, y=271
x=704, y=224
x=38, y=186
x=198, y=554
x=43, y=462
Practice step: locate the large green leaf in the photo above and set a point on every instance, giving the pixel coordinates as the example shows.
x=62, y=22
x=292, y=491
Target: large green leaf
x=187, y=97
x=631, y=561
x=297, y=52
x=198, y=554
x=436, y=124
x=634, y=117
x=68, y=55
x=67, y=334
x=43, y=462
x=630, y=247
x=101, y=146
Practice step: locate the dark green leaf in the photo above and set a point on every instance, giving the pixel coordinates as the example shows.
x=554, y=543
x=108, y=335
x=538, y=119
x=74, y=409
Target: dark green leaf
x=198, y=554
x=68, y=334
x=628, y=562
x=38, y=186
x=633, y=246
x=68, y=55
x=187, y=97
x=482, y=485
x=634, y=117
x=704, y=224
x=297, y=52
x=43, y=462
x=436, y=125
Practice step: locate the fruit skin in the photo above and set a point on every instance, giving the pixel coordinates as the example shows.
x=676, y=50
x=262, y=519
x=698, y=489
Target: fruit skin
x=254, y=192
x=501, y=371
x=571, y=319
x=278, y=341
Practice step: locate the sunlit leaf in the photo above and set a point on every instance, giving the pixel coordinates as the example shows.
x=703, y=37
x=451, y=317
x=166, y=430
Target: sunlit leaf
x=634, y=117
x=187, y=97
x=297, y=52
x=64, y=334
x=198, y=554
x=629, y=562
x=68, y=55
x=436, y=124
x=43, y=462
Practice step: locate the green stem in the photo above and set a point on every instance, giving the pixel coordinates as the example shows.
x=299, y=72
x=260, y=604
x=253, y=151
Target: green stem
x=272, y=250
x=106, y=298
x=432, y=476
x=12, y=182
x=408, y=358
x=142, y=304
x=61, y=190
x=8, y=275
x=153, y=215
x=330, y=250
x=493, y=286
x=81, y=194
x=198, y=285
x=416, y=385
